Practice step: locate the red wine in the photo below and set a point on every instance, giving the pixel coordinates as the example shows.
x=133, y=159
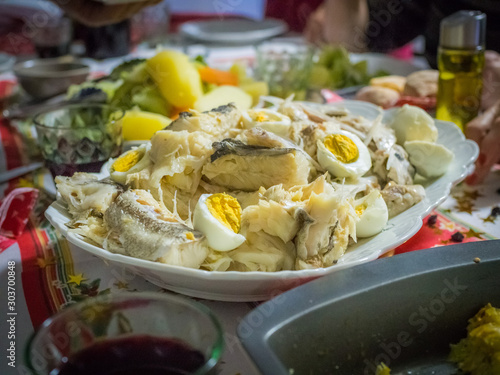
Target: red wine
x=70, y=169
x=135, y=355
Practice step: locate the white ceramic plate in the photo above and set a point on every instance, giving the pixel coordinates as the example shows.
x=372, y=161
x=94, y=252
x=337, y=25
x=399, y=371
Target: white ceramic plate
x=257, y=286
x=380, y=61
x=238, y=31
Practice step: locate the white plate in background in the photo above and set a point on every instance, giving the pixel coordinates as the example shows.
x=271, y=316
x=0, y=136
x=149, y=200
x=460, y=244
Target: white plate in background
x=380, y=61
x=233, y=31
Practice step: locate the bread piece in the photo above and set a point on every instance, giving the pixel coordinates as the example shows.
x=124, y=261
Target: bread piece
x=423, y=83
x=391, y=82
x=381, y=96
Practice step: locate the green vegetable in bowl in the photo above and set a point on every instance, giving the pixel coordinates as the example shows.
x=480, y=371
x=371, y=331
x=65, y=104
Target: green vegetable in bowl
x=149, y=99
x=335, y=70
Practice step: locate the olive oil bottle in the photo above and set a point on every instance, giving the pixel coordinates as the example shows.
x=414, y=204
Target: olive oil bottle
x=460, y=64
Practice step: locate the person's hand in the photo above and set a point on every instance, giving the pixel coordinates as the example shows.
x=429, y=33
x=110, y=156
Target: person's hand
x=339, y=22
x=95, y=14
x=491, y=79
x=485, y=131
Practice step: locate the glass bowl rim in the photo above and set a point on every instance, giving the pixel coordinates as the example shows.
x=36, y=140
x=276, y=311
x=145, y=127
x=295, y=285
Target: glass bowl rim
x=113, y=109
x=217, y=347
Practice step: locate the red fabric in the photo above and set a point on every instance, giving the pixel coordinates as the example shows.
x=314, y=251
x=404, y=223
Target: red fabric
x=15, y=211
x=7, y=88
x=10, y=141
x=330, y=96
x=439, y=233
x=38, y=299
x=5, y=243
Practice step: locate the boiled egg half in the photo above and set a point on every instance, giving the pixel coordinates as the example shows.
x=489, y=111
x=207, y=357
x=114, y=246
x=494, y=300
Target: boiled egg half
x=429, y=159
x=130, y=162
x=412, y=123
x=343, y=154
x=268, y=120
x=372, y=213
x=218, y=217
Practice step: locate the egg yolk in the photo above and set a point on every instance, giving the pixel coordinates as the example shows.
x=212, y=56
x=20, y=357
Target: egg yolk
x=343, y=147
x=226, y=210
x=127, y=161
x=261, y=117
x=360, y=209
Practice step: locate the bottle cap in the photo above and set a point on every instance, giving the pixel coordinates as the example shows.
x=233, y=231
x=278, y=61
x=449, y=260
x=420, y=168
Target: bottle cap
x=465, y=29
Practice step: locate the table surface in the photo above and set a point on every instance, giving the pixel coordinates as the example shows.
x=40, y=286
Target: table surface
x=49, y=276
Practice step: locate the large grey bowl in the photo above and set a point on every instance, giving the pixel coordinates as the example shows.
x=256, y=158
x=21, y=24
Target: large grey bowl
x=404, y=311
x=43, y=78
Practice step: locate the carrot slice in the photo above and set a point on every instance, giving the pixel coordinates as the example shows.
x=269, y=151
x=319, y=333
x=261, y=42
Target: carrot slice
x=218, y=77
x=175, y=111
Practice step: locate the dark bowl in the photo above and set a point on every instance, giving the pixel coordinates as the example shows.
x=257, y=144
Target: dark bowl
x=43, y=78
x=404, y=311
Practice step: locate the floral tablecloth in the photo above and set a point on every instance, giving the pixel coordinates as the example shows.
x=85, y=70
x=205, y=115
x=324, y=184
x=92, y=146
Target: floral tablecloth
x=49, y=276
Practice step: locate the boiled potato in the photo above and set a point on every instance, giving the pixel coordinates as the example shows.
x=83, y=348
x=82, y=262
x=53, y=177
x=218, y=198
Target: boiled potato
x=223, y=95
x=255, y=89
x=140, y=125
x=176, y=77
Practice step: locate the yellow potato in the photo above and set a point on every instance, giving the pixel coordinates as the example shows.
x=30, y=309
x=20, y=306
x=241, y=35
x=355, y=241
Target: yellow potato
x=223, y=95
x=255, y=89
x=140, y=125
x=176, y=77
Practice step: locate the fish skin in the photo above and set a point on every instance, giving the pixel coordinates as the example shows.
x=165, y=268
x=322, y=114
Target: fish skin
x=305, y=222
x=232, y=146
x=143, y=235
x=226, y=108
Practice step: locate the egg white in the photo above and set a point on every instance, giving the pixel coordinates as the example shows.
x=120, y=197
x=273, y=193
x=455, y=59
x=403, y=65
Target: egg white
x=121, y=177
x=339, y=169
x=276, y=123
x=429, y=159
x=412, y=123
x=374, y=217
x=219, y=236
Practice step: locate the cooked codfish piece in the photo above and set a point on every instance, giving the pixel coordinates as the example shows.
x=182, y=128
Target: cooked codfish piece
x=262, y=252
x=260, y=137
x=85, y=195
x=143, y=228
x=217, y=122
x=328, y=221
x=238, y=166
x=401, y=197
x=177, y=157
x=271, y=217
x=393, y=166
x=380, y=137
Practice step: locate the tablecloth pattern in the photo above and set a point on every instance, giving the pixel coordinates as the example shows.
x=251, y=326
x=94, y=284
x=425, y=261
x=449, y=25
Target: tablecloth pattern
x=50, y=276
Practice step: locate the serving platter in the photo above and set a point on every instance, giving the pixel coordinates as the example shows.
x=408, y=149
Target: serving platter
x=259, y=286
